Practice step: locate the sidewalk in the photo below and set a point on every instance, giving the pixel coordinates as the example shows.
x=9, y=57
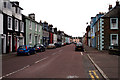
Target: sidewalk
x=8, y=55
x=108, y=63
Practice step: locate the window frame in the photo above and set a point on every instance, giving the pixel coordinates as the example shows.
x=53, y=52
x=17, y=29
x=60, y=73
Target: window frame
x=30, y=38
x=30, y=25
x=35, y=26
x=111, y=38
x=16, y=24
x=21, y=26
x=111, y=25
x=10, y=23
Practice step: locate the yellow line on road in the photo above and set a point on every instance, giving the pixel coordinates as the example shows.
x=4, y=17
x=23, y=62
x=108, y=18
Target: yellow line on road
x=95, y=74
x=93, y=78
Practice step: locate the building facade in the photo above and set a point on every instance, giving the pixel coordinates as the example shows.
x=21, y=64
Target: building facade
x=12, y=26
x=55, y=35
x=45, y=34
x=33, y=30
x=111, y=25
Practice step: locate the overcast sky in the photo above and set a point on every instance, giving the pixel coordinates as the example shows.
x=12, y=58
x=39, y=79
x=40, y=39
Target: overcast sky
x=69, y=16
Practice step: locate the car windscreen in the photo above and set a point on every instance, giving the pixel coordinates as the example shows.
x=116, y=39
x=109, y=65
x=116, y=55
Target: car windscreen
x=78, y=44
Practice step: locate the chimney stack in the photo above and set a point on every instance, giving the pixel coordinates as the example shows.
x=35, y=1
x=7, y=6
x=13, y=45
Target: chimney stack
x=110, y=7
x=117, y=3
x=32, y=16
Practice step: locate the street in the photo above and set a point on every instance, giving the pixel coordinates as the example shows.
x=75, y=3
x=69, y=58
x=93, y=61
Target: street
x=63, y=63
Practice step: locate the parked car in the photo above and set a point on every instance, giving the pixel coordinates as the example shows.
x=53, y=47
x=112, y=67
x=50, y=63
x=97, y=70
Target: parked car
x=79, y=47
x=39, y=48
x=51, y=46
x=114, y=50
x=58, y=44
x=25, y=50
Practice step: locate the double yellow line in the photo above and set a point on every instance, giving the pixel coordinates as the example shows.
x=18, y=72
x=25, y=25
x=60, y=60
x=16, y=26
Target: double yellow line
x=93, y=74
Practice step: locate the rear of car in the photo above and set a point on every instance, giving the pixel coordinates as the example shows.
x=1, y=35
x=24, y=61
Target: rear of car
x=79, y=47
x=39, y=48
x=51, y=46
x=25, y=50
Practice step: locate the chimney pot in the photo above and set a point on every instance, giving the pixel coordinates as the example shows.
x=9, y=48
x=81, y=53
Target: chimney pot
x=110, y=7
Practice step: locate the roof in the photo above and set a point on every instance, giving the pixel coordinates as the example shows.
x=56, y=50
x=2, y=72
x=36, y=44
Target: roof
x=114, y=12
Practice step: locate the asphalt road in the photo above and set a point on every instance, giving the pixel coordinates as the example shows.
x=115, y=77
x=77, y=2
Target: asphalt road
x=62, y=62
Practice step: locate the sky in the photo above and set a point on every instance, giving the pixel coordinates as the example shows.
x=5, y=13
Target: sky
x=69, y=16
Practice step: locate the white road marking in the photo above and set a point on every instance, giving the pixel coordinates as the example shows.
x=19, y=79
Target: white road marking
x=60, y=50
x=40, y=60
x=98, y=68
x=53, y=53
x=21, y=69
x=81, y=53
x=72, y=76
x=15, y=72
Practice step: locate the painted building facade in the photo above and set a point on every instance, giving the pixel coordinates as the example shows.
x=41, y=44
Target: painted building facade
x=45, y=34
x=12, y=26
x=33, y=30
x=55, y=35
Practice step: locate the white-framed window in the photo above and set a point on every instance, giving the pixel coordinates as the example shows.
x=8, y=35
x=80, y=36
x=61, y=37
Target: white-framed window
x=16, y=24
x=9, y=23
x=30, y=24
x=98, y=25
x=5, y=4
x=113, y=23
x=36, y=27
x=40, y=28
x=22, y=26
x=39, y=39
x=114, y=39
x=30, y=38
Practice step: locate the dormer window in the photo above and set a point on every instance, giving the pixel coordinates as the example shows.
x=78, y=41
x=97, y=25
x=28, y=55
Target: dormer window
x=5, y=4
x=114, y=23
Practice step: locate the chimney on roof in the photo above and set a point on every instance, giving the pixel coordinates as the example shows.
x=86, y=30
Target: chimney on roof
x=110, y=7
x=117, y=3
x=32, y=16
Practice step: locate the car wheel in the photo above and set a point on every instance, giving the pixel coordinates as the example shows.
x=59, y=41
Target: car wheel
x=28, y=54
x=18, y=54
x=35, y=52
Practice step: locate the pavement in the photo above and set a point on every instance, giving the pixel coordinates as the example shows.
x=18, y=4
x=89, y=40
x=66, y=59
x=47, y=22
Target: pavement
x=109, y=64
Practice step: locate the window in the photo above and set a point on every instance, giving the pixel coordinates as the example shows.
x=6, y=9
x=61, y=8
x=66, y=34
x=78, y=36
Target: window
x=35, y=27
x=16, y=25
x=40, y=28
x=9, y=6
x=114, y=23
x=114, y=39
x=30, y=38
x=22, y=27
x=9, y=23
x=39, y=38
x=5, y=4
x=98, y=25
x=30, y=25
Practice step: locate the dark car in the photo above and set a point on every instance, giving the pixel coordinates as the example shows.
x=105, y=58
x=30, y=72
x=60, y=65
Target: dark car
x=39, y=48
x=25, y=50
x=113, y=49
x=79, y=47
x=58, y=44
